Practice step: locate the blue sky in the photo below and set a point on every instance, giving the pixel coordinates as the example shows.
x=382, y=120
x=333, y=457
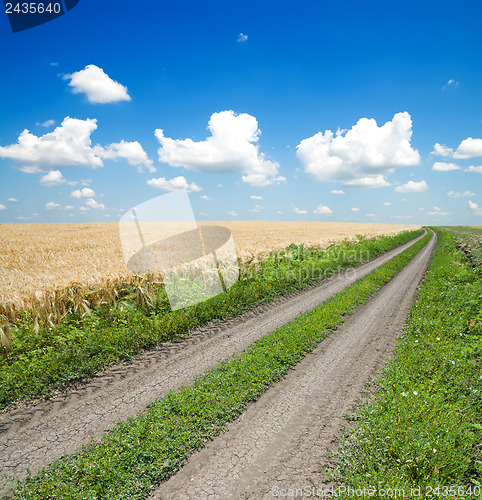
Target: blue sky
x=128, y=100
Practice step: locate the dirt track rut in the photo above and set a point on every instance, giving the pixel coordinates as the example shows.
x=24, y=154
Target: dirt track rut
x=32, y=436
x=282, y=441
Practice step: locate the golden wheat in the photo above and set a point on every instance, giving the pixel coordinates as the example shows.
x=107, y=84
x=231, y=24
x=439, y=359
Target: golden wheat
x=56, y=269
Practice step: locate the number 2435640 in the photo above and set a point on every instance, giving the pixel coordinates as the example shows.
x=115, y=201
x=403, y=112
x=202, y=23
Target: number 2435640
x=33, y=8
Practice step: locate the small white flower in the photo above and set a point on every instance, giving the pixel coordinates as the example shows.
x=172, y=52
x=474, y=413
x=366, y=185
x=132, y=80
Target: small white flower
x=453, y=362
x=415, y=392
x=438, y=338
x=404, y=394
x=416, y=341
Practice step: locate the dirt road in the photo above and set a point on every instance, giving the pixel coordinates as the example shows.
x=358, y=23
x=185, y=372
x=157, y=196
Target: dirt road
x=32, y=436
x=281, y=441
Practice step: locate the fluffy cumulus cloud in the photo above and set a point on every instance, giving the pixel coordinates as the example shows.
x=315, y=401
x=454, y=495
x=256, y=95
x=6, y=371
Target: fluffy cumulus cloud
x=355, y=209
x=464, y=194
x=174, y=184
x=442, y=150
x=387, y=204
x=437, y=211
x=242, y=37
x=257, y=208
x=207, y=198
x=52, y=179
x=13, y=200
x=473, y=168
x=255, y=197
x=52, y=205
x=130, y=151
x=322, y=210
x=231, y=147
x=91, y=203
x=337, y=191
x=83, y=193
x=46, y=124
x=361, y=156
x=232, y=213
x=441, y=166
x=97, y=86
x=2, y=207
x=475, y=208
x=468, y=148
x=412, y=187
x=298, y=211
x=69, y=145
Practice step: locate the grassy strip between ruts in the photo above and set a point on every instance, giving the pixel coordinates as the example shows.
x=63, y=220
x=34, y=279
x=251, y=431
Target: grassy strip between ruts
x=422, y=429
x=53, y=356
x=146, y=449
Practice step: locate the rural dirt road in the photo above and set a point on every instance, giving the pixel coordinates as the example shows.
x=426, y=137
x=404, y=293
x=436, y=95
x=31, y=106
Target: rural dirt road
x=282, y=441
x=32, y=436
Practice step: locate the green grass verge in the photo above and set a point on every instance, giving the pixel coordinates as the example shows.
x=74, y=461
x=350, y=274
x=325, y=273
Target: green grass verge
x=144, y=450
x=78, y=347
x=469, y=239
x=423, y=426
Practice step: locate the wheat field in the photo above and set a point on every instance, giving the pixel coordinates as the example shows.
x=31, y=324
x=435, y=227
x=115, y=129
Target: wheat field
x=41, y=259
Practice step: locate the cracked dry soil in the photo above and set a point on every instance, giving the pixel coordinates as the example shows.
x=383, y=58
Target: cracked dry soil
x=281, y=438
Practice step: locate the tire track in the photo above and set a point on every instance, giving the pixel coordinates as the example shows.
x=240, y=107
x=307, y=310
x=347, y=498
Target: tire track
x=35, y=434
x=282, y=440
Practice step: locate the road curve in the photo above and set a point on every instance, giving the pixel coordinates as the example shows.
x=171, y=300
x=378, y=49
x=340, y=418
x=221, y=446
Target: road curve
x=34, y=435
x=282, y=440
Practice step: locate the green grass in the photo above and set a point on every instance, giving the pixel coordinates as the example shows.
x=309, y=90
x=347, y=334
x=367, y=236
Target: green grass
x=77, y=348
x=137, y=454
x=469, y=239
x=423, y=426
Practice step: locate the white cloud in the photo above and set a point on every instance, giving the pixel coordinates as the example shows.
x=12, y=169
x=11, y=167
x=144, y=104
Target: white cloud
x=442, y=150
x=46, y=124
x=13, y=200
x=53, y=178
x=387, y=204
x=355, y=209
x=207, y=198
x=257, y=208
x=450, y=83
x=371, y=215
x=83, y=193
x=469, y=148
x=441, y=166
x=51, y=205
x=232, y=213
x=130, y=151
x=475, y=169
x=438, y=211
x=242, y=37
x=465, y=194
x=91, y=203
x=68, y=207
x=475, y=208
x=2, y=207
x=337, y=191
x=83, y=209
x=97, y=86
x=361, y=156
x=67, y=146
x=402, y=217
x=298, y=211
x=322, y=210
x=174, y=184
x=230, y=148
x=254, y=197
x=412, y=187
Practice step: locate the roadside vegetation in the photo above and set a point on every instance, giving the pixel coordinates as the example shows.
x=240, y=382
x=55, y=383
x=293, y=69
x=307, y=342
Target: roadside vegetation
x=421, y=430
x=137, y=454
x=469, y=240
x=39, y=356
